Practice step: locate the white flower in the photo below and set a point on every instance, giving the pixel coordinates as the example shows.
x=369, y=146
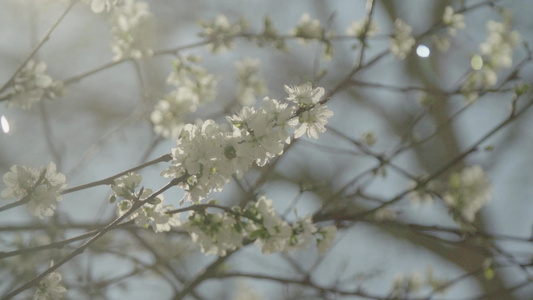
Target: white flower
x=199, y=153
x=133, y=30
x=403, y=41
x=500, y=45
x=50, y=288
x=453, y=21
x=303, y=232
x=215, y=233
x=194, y=88
x=250, y=83
x=326, y=237
x=152, y=213
x=221, y=33
x=304, y=94
x=307, y=29
x=31, y=84
x=210, y=156
x=43, y=198
x=357, y=28
x=477, y=80
x=469, y=191
x=169, y=113
x=313, y=121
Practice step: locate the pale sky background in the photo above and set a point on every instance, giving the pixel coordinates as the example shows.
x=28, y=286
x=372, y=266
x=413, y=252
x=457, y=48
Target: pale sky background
x=98, y=105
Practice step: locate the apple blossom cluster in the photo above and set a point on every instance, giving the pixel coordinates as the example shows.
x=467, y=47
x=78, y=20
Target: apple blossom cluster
x=133, y=30
x=496, y=54
x=153, y=213
x=403, y=40
x=194, y=87
x=250, y=84
x=307, y=29
x=39, y=188
x=32, y=84
x=468, y=192
x=50, y=287
x=453, y=22
x=357, y=28
x=209, y=155
x=218, y=233
x=222, y=33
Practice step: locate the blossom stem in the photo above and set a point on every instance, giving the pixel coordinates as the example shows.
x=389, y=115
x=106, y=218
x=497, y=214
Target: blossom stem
x=37, y=47
x=137, y=204
x=111, y=179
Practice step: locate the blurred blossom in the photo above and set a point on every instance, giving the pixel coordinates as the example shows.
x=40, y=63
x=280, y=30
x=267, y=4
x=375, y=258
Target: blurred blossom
x=402, y=41
x=43, y=195
x=249, y=82
x=453, y=21
x=468, y=191
x=31, y=84
x=133, y=30
x=221, y=33
x=357, y=28
x=307, y=29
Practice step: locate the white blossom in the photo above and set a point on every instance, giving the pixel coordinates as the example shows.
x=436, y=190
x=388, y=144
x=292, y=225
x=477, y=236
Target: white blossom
x=209, y=156
x=221, y=33
x=313, y=121
x=42, y=198
x=402, y=41
x=357, y=28
x=133, y=30
x=153, y=213
x=32, y=84
x=304, y=94
x=249, y=82
x=453, y=21
x=500, y=44
x=496, y=54
x=194, y=88
x=303, y=233
x=218, y=233
x=215, y=233
x=469, y=191
x=50, y=288
x=307, y=29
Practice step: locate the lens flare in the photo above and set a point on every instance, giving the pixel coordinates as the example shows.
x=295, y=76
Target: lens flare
x=422, y=51
x=5, y=124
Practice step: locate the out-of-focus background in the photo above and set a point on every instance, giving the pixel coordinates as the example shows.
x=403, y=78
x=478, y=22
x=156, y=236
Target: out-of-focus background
x=101, y=126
